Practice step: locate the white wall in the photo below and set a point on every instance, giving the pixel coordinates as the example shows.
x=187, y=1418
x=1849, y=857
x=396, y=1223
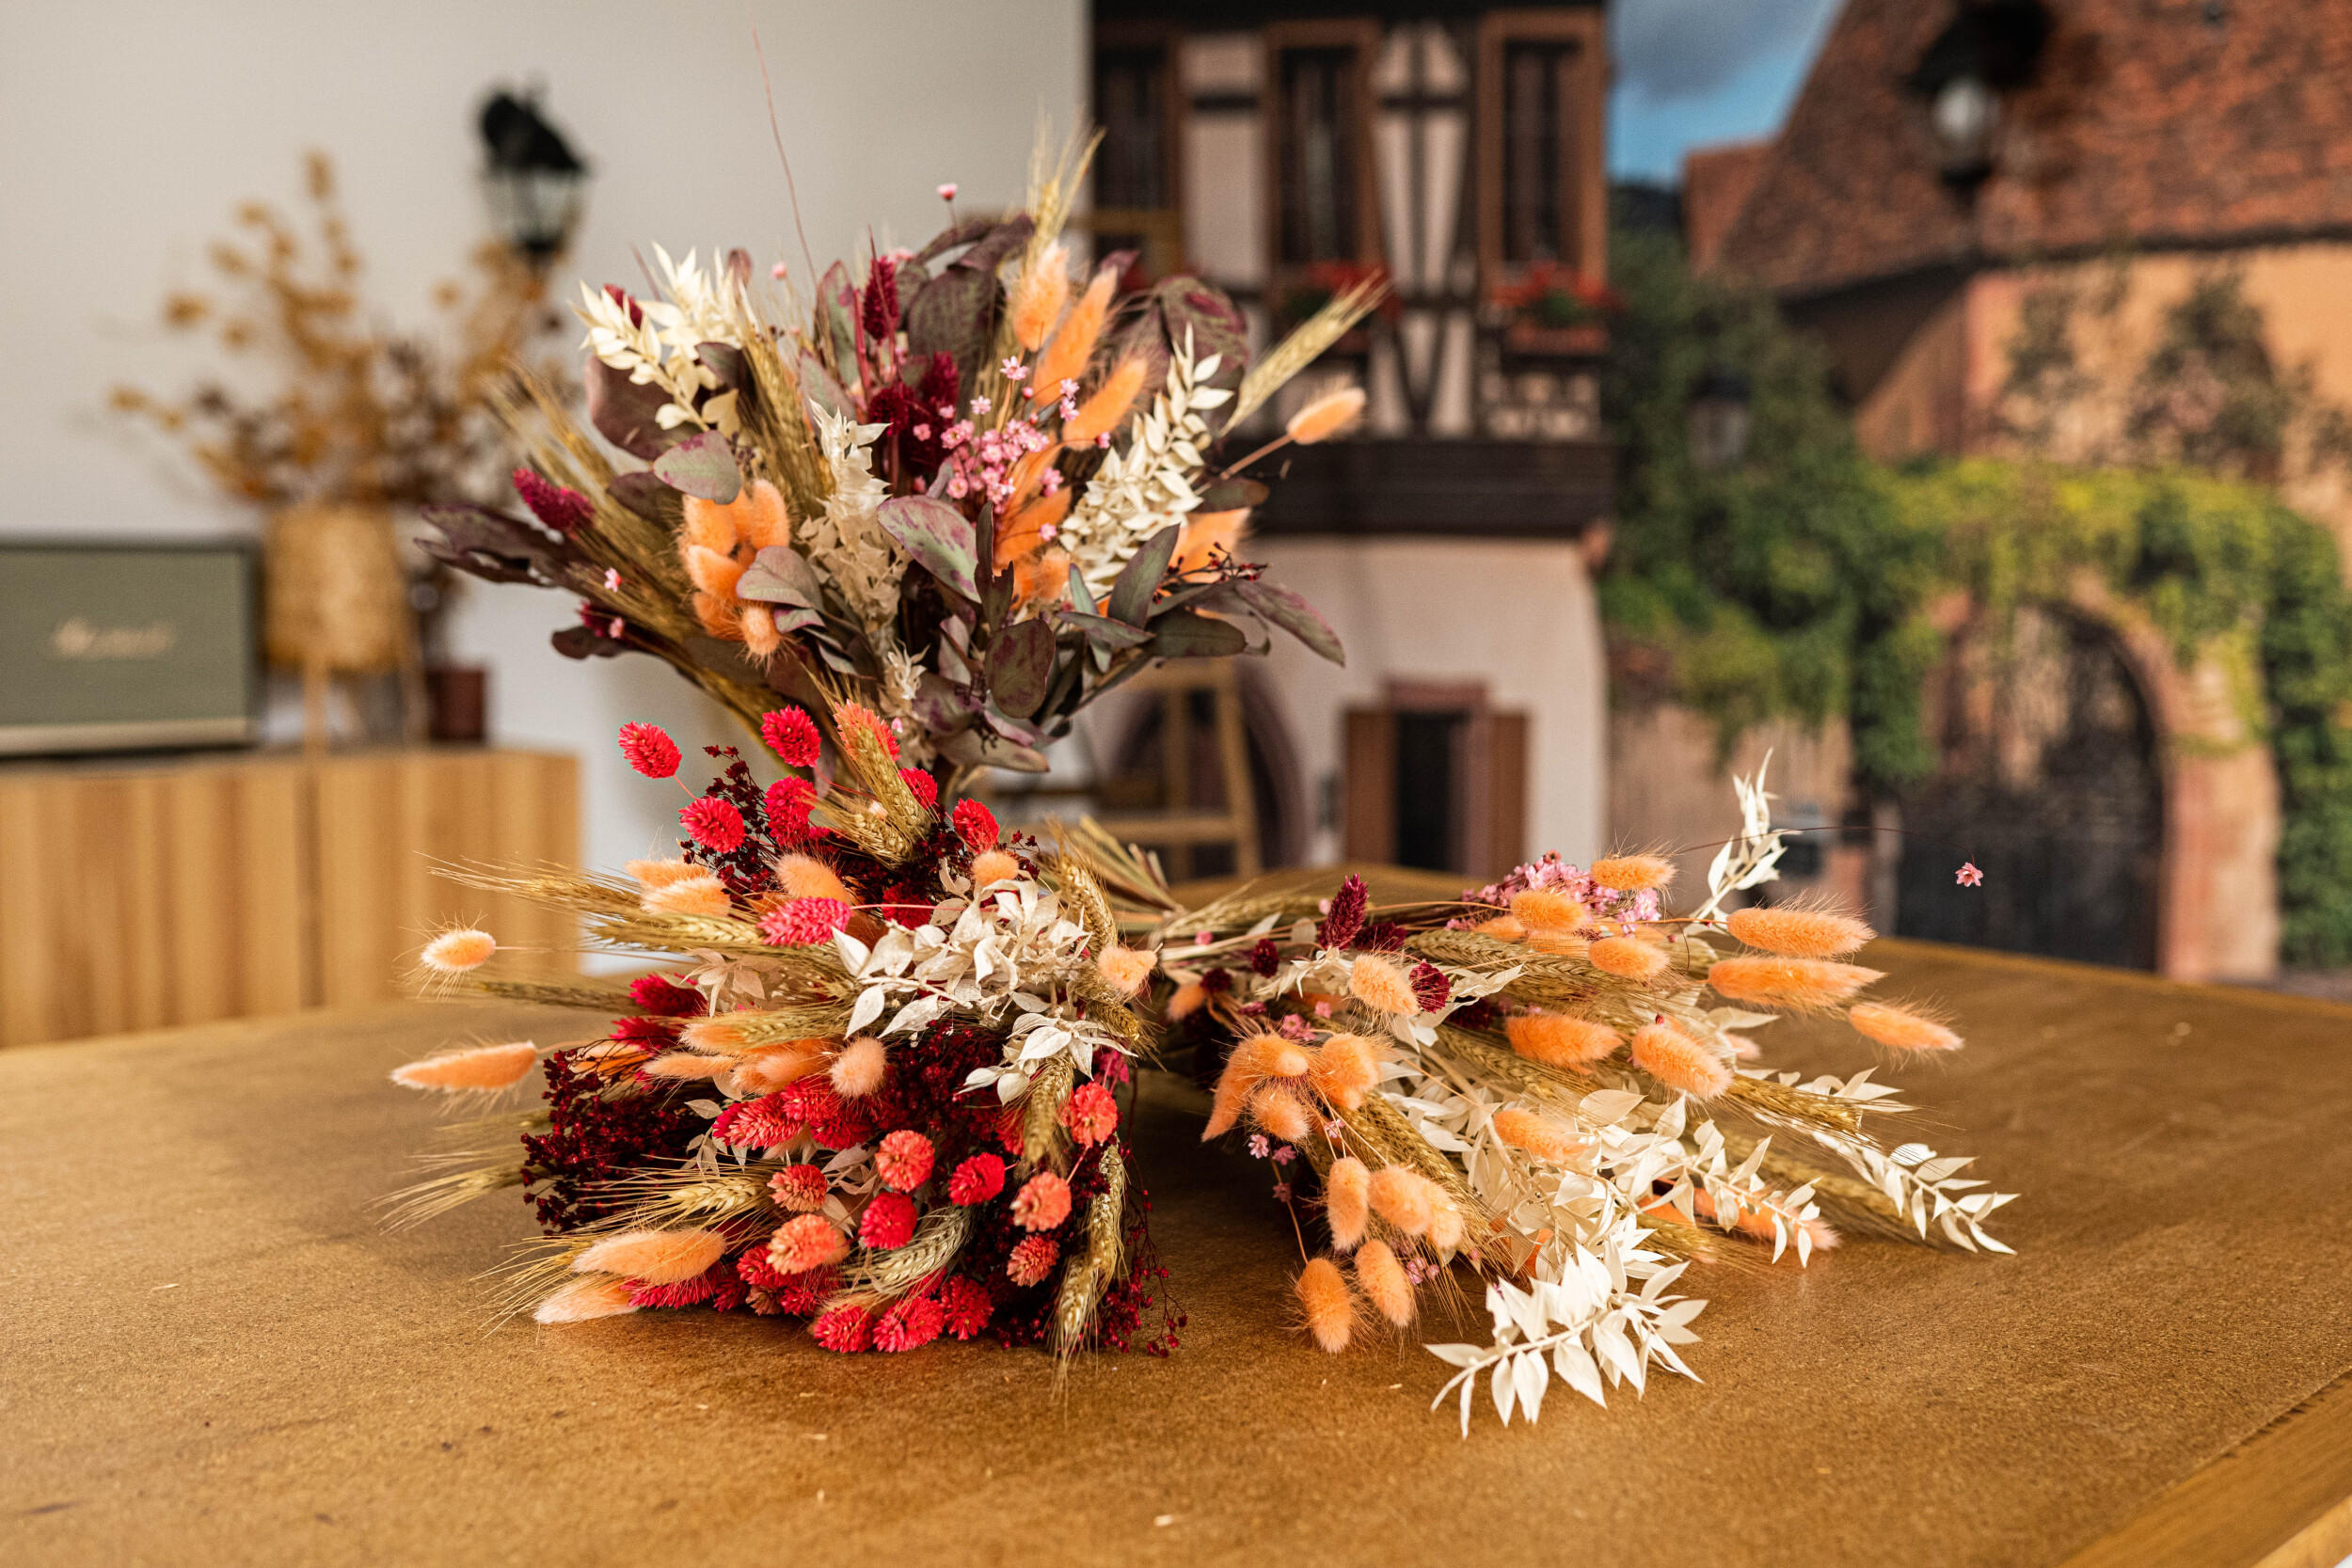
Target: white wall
x=129, y=131
x=1520, y=616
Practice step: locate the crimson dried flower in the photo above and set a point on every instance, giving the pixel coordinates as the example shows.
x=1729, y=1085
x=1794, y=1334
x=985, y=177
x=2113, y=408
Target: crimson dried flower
x=561, y=508
x=976, y=1181
x=799, y=1189
x=1265, y=958
x=925, y=788
x=713, y=824
x=788, y=802
x=791, y=733
x=904, y=1159
x=762, y=1123
x=803, y=921
x=845, y=1330
x=1042, y=1203
x=976, y=824
x=649, y=750
x=911, y=1325
x=879, y=303
x=803, y=1294
x=889, y=1222
x=1090, y=1114
x=968, y=1307
x=664, y=997
x=1430, y=987
x=850, y=715
x=1345, y=918
x=1032, y=1262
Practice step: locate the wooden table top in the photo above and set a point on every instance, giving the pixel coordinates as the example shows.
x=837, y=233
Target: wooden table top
x=217, y=1357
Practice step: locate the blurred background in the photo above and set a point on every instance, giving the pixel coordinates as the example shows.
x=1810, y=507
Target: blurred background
x=1944, y=398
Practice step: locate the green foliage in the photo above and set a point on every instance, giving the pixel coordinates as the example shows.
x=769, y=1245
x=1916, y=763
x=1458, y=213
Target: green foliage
x=1787, y=583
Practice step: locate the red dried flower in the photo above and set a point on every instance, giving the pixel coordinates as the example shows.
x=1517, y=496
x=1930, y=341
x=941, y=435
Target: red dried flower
x=804, y=1293
x=756, y=1267
x=1430, y=988
x=563, y=508
x=976, y=1181
x=1042, y=1203
x=620, y=296
x=807, y=1241
x=791, y=733
x=789, y=801
x=1265, y=958
x=1032, y=1262
x=761, y=1123
x=904, y=1161
x=879, y=305
x=845, y=1330
x=799, y=1189
x=911, y=1325
x=685, y=1292
x=977, y=824
x=812, y=1099
x=925, y=788
x=649, y=750
x=1347, y=916
x=1090, y=1113
x=664, y=997
x=715, y=825
x=889, y=1222
x=968, y=1307
x=803, y=921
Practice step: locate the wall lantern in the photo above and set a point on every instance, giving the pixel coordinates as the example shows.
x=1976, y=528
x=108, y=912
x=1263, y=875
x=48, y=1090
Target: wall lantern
x=536, y=183
x=1720, y=417
x=1989, y=48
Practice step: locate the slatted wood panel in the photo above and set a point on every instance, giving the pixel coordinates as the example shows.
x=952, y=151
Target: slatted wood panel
x=137, y=897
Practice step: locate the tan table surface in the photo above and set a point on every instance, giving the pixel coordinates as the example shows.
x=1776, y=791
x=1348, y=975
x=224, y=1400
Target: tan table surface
x=215, y=1356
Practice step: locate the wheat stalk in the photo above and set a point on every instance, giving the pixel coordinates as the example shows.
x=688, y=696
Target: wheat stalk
x=1304, y=347
x=1084, y=1282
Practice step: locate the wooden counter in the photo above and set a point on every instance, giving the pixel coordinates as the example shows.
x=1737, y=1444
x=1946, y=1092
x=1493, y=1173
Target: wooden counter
x=216, y=1356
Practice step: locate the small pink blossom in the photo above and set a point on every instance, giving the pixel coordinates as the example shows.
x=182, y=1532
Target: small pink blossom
x=1259, y=1148
x=923, y=433
x=1281, y=1192
x=1323, y=1010
x=776, y=272
x=1968, y=876
x=1285, y=1154
x=1012, y=369
x=981, y=405
x=613, y=580
x=947, y=191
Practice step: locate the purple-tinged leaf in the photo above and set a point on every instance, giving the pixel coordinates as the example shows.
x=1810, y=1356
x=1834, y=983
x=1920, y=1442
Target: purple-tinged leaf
x=624, y=412
x=702, y=465
x=1185, y=635
x=497, y=548
x=1131, y=595
x=725, y=361
x=1104, y=632
x=779, y=576
x=938, y=537
x=580, y=642
x=1020, y=666
x=1233, y=495
x=1295, y=615
x=977, y=746
x=642, y=491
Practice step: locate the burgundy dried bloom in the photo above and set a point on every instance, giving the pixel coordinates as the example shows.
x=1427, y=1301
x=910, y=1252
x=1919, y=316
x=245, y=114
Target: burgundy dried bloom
x=1216, y=982
x=1429, y=987
x=1265, y=958
x=975, y=824
x=713, y=824
x=561, y=508
x=889, y=1222
x=1381, y=936
x=664, y=997
x=1346, y=917
x=976, y=1181
x=791, y=733
x=879, y=303
x=620, y=296
x=649, y=750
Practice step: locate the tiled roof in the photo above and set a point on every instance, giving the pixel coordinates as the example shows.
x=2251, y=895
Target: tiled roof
x=1716, y=182
x=2155, y=122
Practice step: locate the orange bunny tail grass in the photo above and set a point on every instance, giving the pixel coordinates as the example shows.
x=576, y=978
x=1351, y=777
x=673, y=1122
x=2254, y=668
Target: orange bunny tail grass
x=1537, y=1135
x=1799, y=933
x=773, y=1067
x=757, y=517
x=991, y=866
x=713, y=573
x=1125, y=969
x=1106, y=406
x=1326, y=416
x=685, y=1066
x=722, y=1035
x=806, y=876
x=858, y=1070
x=760, y=630
x=1381, y=985
x=1347, y=1201
x=1038, y=297
x=1789, y=982
x=656, y=1257
x=1633, y=873
x=1502, y=928
x=1253, y=1061
x=1559, y=1041
x=1900, y=1028
x=1187, y=1000
x=482, y=1069
x=1023, y=528
x=1278, y=1109
x=1446, y=1226
x=456, y=951
x=654, y=874
x=1206, y=533
x=1345, y=1069
x=1330, y=1306
x=1544, y=912
x=1043, y=579
x=1406, y=1198
x=584, y=1299
x=1627, y=957
x=1679, y=1062
x=1065, y=358
x=703, y=894
x=1382, y=1280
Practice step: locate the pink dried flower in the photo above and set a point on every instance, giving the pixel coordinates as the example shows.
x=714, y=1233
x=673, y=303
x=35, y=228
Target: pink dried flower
x=789, y=801
x=1968, y=876
x=925, y=788
x=845, y=1330
x=1042, y=1203
x=1090, y=1114
x=799, y=1189
x=713, y=824
x=1259, y=1148
x=904, y=1159
x=975, y=824
x=791, y=733
x=968, y=1307
x=889, y=1222
x=978, y=1179
x=563, y=508
x=649, y=750
x=1430, y=987
x=1032, y=1262
x=807, y=1241
x=947, y=191
x=803, y=921
x=911, y=1325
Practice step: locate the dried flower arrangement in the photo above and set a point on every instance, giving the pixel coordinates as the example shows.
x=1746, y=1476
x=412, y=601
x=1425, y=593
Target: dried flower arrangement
x=972, y=490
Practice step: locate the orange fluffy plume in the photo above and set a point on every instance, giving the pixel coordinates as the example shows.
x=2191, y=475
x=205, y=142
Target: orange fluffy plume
x=1406, y=1198
x=718, y=1035
x=656, y=1257
x=1382, y=1280
x=483, y=1067
x=661, y=873
x=1799, y=933
x=1022, y=529
x=755, y=517
x=1446, y=1224
x=1187, y=1000
x=1125, y=969
x=991, y=866
x=701, y=894
x=1279, y=1110
x=1347, y=1201
x=772, y=1067
x=1627, y=957
x=1326, y=416
x=1253, y=1061
x=1038, y=296
x=1381, y=985
x=1789, y=982
x=1557, y=1040
x=1205, y=533
x=1330, y=1308
x=1502, y=928
x=713, y=573
x=1546, y=911
x=1679, y=1062
x=1633, y=873
x=1902, y=1029
x=1345, y=1069
x=584, y=1299
x=684, y=1067
x=455, y=952
x=806, y=876
x=1537, y=1135
x=859, y=1069
x=1106, y=407
x=1065, y=357
x=1043, y=579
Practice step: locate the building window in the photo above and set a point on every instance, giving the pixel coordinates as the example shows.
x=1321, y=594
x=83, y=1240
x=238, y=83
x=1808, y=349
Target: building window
x=1136, y=181
x=1538, y=212
x=1542, y=197
x=1436, y=777
x=1319, y=143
